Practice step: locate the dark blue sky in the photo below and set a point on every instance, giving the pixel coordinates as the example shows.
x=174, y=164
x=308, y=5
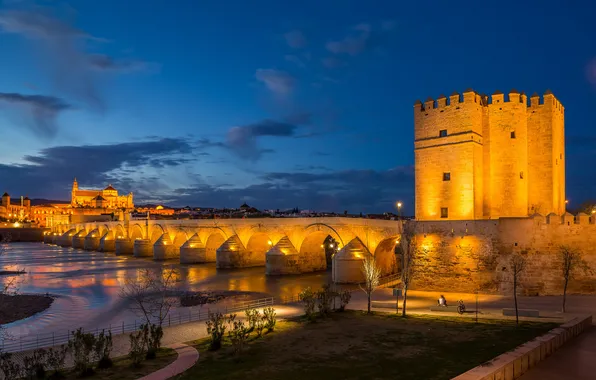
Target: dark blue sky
x=279, y=104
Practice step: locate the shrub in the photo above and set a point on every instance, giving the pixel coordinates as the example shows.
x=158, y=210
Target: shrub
x=56, y=359
x=324, y=299
x=270, y=317
x=9, y=368
x=153, y=335
x=103, y=348
x=344, y=298
x=137, y=347
x=260, y=325
x=252, y=316
x=216, y=330
x=238, y=333
x=81, y=346
x=307, y=297
x=34, y=365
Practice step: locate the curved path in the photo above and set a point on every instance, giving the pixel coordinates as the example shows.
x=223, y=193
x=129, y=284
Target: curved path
x=187, y=357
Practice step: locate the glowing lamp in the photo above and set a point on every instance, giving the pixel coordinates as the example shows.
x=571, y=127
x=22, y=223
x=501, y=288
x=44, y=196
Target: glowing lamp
x=270, y=242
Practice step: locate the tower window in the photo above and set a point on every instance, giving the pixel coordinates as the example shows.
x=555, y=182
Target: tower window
x=446, y=176
x=443, y=133
x=521, y=175
x=512, y=134
x=444, y=212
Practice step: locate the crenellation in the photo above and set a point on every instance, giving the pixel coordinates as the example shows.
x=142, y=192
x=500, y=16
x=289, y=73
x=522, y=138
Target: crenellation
x=454, y=98
x=469, y=96
x=553, y=218
x=497, y=97
x=441, y=101
x=582, y=218
x=567, y=219
x=429, y=104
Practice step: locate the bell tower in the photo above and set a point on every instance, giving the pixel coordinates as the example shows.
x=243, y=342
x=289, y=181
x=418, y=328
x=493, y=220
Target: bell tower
x=73, y=193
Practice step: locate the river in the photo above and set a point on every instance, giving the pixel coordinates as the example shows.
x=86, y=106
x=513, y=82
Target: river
x=87, y=284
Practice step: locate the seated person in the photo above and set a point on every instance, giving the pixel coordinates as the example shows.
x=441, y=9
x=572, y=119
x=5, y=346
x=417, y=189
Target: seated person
x=442, y=301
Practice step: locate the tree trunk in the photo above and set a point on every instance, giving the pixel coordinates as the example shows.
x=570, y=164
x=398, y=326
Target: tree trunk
x=403, y=310
x=515, y=300
x=369, y=294
x=565, y=293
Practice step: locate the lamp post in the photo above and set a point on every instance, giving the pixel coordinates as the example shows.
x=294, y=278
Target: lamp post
x=398, y=204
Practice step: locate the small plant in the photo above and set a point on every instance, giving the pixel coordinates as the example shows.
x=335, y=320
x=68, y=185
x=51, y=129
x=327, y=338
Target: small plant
x=81, y=345
x=252, y=316
x=260, y=325
x=238, y=333
x=103, y=348
x=216, y=329
x=307, y=297
x=9, y=368
x=137, y=347
x=344, y=298
x=270, y=317
x=34, y=365
x=324, y=300
x=56, y=359
x=153, y=336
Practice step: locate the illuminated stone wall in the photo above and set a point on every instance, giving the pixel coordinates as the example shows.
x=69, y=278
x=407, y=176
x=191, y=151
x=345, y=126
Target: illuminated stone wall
x=504, y=158
x=468, y=255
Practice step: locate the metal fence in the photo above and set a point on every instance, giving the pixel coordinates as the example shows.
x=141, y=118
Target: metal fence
x=53, y=339
x=176, y=318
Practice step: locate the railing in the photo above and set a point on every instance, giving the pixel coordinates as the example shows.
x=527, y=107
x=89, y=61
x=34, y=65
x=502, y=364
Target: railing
x=54, y=339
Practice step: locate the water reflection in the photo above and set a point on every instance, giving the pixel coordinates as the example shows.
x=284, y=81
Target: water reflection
x=88, y=284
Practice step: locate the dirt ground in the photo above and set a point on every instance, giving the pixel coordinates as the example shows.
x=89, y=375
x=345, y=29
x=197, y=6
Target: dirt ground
x=16, y=307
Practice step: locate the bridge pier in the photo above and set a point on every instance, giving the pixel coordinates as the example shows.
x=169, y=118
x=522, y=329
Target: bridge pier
x=123, y=246
x=233, y=254
x=347, y=263
x=193, y=251
x=91, y=242
x=47, y=238
x=107, y=245
x=142, y=248
x=163, y=248
x=65, y=240
x=282, y=259
x=55, y=238
x=78, y=240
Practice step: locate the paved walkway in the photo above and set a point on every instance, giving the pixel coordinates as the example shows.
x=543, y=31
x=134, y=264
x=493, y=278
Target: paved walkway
x=187, y=357
x=576, y=360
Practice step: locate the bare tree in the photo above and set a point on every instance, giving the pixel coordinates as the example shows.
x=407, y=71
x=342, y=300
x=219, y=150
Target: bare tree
x=571, y=263
x=372, y=274
x=150, y=294
x=408, y=255
x=517, y=265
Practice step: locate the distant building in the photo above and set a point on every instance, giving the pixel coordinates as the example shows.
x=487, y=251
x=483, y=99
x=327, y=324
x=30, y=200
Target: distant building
x=107, y=198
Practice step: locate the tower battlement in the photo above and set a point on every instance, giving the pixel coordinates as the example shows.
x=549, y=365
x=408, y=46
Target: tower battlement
x=472, y=97
x=480, y=157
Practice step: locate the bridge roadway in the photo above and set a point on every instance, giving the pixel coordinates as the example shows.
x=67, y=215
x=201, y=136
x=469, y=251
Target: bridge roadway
x=282, y=245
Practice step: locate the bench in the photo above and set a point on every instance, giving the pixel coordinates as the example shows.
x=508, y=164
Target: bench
x=445, y=309
x=521, y=312
x=383, y=304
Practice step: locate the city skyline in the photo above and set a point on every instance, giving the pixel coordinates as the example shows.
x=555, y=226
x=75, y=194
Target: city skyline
x=304, y=105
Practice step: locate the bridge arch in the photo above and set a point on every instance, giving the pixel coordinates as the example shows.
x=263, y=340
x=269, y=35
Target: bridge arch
x=118, y=231
x=317, y=249
x=325, y=228
x=180, y=238
x=257, y=246
x=213, y=241
x=136, y=232
x=156, y=232
x=385, y=255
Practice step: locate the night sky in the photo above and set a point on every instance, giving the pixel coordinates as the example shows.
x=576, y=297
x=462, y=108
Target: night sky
x=278, y=104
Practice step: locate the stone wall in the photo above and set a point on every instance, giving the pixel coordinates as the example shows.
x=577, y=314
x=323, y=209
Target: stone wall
x=469, y=255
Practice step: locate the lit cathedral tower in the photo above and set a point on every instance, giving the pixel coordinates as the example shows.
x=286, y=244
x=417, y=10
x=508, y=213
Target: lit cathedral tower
x=73, y=193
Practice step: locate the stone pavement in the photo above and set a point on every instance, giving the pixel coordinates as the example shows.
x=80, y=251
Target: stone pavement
x=576, y=360
x=187, y=357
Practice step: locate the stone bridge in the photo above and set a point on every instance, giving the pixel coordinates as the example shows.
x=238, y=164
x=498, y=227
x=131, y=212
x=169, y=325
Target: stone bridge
x=282, y=245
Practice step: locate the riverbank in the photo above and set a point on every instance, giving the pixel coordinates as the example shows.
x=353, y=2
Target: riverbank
x=20, y=306
x=211, y=297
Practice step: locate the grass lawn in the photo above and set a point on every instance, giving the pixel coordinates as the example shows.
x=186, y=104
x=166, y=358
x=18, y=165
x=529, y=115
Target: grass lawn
x=353, y=345
x=123, y=370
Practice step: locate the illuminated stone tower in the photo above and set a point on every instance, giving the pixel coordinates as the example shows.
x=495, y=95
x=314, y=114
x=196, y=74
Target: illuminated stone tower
x=481, y=159
x=73, y=193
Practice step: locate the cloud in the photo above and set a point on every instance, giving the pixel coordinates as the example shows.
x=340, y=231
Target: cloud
x=278, y=82
x=63, y=54
x=351, y=190
x=361, y=38
x=332, y=62
x=295, y=39
x=38, y=112
x=93, y=165
x=242, y=140
x=102, y=62
x=294, y=59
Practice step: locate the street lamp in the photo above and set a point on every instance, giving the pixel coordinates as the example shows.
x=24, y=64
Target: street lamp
x=398, y=204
